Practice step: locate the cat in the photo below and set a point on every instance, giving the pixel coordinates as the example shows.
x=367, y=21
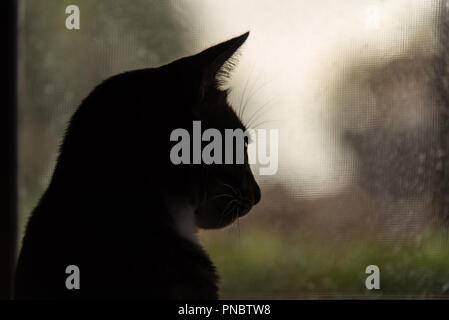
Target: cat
x=118, y=208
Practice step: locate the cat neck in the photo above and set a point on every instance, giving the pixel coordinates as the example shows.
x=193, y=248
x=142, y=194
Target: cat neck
x=183, y=216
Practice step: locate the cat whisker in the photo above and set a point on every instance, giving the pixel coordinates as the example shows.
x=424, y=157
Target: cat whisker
x=231, y=229
x=238, y=223
x=252, y=94
x=259, y=110
x=241, y=108
x=221, y=196
x=248, y=99
x=263, y=122
x=236, y=192
x=228, y=208
x=236, y=217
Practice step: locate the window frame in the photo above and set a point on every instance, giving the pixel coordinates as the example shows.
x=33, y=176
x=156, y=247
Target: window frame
x=8, y=144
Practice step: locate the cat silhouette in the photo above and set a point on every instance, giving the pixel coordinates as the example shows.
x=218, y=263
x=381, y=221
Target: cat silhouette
x=118, y=208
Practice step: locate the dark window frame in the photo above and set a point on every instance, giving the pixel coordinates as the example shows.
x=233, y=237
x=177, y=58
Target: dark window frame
x=8, y=145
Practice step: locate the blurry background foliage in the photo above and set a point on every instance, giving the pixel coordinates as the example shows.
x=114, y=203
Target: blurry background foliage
x=362, y=152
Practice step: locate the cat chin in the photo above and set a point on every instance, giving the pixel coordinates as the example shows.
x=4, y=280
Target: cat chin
x=183, y=216
x=214, y=225
x=209, y=217
x=185, y=224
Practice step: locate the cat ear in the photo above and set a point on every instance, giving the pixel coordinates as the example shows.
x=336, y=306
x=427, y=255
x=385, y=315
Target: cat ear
x=216, y=62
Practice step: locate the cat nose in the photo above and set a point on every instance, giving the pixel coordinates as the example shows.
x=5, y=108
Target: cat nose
x=253, y=190
x=244, y=208
x=256, y=194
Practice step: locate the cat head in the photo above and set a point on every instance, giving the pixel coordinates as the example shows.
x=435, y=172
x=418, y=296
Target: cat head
x=225, y=192
x=118, y=142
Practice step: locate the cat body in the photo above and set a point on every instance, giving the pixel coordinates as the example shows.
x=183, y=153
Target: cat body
x=118, y=208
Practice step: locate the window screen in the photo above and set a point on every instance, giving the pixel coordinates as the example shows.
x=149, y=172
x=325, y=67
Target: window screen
x=357, y=91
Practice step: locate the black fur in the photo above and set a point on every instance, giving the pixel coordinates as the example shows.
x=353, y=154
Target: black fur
x=108, y=206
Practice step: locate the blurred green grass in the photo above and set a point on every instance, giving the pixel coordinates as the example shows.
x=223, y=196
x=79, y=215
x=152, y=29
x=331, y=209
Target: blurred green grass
x=258, y=264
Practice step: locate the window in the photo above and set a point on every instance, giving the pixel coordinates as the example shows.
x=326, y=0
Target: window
x=358, y=92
